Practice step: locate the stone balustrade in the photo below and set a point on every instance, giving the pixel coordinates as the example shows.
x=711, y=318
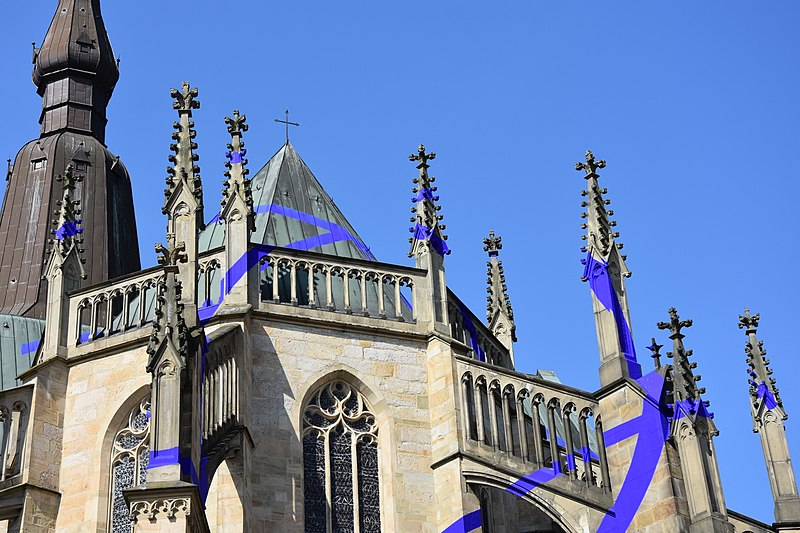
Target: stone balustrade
x=336, y=284
x=114, y=307
x=529, y=425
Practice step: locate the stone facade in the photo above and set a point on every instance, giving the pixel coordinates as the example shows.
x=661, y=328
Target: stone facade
x=271, y=375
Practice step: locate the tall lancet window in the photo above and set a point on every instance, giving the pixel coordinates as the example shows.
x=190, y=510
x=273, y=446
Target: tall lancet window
x=130, y=455
x=340, y=462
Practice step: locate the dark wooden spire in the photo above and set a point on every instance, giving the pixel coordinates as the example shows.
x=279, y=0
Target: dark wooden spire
x=75, y=70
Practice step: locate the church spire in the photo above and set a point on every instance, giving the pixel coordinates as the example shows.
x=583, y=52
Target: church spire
x=75, y=70
x=428, y=233
x=692, y=430
x=184, y=173
x=768, y=414
x=499, y=315
x=183, y=197
x=605, y=270
x=237, y=192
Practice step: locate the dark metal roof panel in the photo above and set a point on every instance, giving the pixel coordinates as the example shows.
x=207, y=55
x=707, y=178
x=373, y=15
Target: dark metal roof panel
x=19, y=341
x=25, y=220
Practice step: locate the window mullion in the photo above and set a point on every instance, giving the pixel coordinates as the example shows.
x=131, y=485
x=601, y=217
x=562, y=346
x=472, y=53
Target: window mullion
x=354, y=470
x=328, y=482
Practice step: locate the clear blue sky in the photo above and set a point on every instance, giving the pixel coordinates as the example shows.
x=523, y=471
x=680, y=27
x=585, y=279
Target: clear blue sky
x=694, y=105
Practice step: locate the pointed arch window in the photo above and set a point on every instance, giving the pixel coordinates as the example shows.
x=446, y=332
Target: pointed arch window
x=340, y=462
x=130, y=455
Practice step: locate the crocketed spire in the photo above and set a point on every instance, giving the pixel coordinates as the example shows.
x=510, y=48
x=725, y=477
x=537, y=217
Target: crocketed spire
x=427, y=232
x=764, y=394
x=605, y=270
x=498, y=303
x=184, y=173
x=67, y=233
x=683, y=381
x=768, y=414
x=600, y=235
x=237, y=192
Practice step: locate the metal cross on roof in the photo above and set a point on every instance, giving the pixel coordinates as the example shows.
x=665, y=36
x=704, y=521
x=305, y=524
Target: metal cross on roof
x=287, y=124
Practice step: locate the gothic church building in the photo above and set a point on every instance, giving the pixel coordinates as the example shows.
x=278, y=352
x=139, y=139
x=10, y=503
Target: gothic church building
x=271, y=375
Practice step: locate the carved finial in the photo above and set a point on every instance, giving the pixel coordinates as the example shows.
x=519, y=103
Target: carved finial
x=492, y=244
x=764, y=394
x=590, y=166
x=655, y=352
x=422, y=157
x=237, y=124
x=427, y=230
x=749, y=321
x=171, y=257
x=10, y=170
x=675, y=324
x=186, y=98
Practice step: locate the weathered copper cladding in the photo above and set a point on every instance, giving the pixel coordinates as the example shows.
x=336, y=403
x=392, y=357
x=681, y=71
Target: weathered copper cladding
x=75, y=73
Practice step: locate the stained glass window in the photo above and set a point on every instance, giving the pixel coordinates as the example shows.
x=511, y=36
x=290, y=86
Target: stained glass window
x=340, y=462
x=130, y=455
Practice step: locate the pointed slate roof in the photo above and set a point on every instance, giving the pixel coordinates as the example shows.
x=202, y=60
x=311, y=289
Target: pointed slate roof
x=293, y=211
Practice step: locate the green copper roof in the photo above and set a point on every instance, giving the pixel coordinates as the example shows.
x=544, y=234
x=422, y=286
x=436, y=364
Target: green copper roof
x=294, y=211
x=19, y=341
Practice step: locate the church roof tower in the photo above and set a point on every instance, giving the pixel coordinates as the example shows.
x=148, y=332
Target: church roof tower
x=75, y=73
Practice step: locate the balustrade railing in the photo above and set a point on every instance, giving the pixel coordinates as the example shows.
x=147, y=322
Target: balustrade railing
x=468, y=329
x=536, y=424
x=340, y=285
x=112, y=308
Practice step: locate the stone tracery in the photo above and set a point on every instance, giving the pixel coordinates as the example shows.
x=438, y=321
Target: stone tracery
x=340, y=455
x=130, y=456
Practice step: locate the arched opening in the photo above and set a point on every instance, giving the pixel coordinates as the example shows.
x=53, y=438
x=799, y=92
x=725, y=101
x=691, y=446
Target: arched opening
x=340, y=460
x=503, y=511
x=130, y=455
x=224, y=505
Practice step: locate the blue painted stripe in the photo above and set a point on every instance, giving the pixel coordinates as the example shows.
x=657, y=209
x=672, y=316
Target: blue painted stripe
x=29, y=347
x=465, y=524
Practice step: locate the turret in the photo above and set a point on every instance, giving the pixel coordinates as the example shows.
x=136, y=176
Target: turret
x=499, y=315
x=769, y=415
x=692, y=429
x=605, y=270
